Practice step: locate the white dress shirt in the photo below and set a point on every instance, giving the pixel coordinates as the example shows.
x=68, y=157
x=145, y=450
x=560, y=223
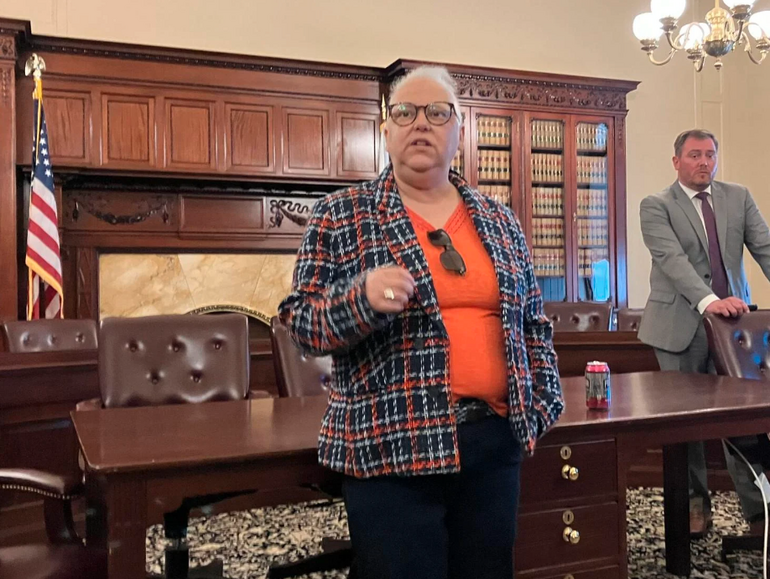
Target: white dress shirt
x=691, y=193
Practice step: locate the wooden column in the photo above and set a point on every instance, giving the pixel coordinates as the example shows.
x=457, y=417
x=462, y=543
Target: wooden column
x=8, y=217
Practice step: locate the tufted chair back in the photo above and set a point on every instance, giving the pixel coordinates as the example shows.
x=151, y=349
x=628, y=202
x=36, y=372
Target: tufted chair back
x=579, y=316
x=740, y=347
x=629, y=319
x=296, y=373
x=173, y=359
x=50, y=335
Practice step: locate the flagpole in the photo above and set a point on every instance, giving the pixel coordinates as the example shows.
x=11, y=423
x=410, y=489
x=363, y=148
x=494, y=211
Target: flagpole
x=45, y=295
x=35, y=66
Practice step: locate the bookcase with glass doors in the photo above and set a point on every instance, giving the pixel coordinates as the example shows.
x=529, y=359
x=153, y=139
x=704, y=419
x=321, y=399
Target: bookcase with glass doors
x=562, y=175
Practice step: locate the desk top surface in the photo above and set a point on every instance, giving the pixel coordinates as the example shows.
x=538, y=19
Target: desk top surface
x=150, y=438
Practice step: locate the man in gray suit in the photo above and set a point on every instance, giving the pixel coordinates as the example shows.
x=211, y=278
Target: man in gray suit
x=695, y=231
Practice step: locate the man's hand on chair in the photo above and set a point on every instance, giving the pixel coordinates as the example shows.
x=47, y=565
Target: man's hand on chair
x=730, y=307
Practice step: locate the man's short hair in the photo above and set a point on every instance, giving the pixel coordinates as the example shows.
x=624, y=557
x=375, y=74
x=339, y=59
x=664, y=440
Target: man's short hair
x=699, y=134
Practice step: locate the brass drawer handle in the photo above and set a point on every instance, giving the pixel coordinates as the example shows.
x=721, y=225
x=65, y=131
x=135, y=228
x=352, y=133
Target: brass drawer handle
x=571, y=536
x=570, y=472
x=569, y=577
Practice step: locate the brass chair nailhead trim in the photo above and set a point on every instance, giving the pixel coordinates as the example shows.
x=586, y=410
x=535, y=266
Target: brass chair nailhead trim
x=37, y=491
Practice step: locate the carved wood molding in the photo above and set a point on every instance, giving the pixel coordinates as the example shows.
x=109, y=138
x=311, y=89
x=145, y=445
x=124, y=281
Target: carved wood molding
x=540, y=92
x=5, y=86
x=7, y=48
x=296, y=211
x=170, y=57
x=126, y=210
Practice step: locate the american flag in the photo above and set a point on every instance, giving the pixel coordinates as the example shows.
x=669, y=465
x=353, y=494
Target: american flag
x=43, y=252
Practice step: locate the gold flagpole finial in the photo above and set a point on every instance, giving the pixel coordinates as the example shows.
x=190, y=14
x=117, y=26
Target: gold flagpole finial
x=35, y=66
x=384, y=110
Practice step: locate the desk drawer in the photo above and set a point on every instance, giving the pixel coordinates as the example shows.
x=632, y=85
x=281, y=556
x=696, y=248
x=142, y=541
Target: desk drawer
x=540, y=536
x=543, y=475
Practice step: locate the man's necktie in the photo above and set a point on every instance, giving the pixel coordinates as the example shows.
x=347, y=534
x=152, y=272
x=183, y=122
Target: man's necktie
x=719, y=283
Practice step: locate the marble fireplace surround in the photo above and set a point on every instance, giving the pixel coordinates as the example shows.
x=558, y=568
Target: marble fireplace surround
x=146, y=284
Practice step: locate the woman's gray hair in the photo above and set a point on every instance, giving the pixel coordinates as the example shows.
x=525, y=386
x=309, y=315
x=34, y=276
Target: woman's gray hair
x=438, y=74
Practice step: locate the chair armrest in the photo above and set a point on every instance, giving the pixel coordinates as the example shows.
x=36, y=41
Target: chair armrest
x=52, y=486
x=91, y=404
x=57, y=492
x=257, y=394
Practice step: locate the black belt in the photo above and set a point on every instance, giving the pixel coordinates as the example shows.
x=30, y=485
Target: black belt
x=472, y=410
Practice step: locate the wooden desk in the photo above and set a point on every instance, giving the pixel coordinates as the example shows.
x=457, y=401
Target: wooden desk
x=139, y=457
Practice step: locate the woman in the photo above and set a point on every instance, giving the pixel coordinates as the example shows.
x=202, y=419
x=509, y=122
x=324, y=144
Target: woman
x=423, y=292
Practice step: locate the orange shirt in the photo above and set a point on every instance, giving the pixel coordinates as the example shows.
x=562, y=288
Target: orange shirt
x=470, y=309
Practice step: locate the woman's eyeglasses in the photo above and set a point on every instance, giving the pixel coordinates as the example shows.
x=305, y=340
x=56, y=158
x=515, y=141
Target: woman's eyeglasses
x=450, y=257
x=404, y=114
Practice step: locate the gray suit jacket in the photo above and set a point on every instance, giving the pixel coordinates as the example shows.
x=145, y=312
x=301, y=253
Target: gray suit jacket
x=681, y=273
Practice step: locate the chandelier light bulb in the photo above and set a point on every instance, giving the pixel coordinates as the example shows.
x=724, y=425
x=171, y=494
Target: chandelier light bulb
x=647, y=27
x=759, y=21
x=668, y=8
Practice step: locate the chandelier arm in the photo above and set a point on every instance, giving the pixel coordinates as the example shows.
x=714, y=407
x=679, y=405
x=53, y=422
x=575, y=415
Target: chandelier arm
x=754, y=59
x=749, y=50
x=672, y=41
x=665, y=60
x=668, y=39
x=699, y=63
x=740, y=35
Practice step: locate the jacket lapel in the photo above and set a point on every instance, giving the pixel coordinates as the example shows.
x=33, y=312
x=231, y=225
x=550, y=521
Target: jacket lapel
x=692, y=214
x=403, y=244
x=720, y=210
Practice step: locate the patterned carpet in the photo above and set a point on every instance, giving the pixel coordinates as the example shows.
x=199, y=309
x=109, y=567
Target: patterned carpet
x=250, y=541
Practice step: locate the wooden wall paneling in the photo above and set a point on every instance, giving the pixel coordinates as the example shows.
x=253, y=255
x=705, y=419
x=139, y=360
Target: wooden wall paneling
x=8, y=192
x=128, y=130
x=68, y=114
x=215, y=214
x=87, y=284
x=357, y=132
x=250, y=138
x=305, y=141
x=190, y=137
x=220, y=72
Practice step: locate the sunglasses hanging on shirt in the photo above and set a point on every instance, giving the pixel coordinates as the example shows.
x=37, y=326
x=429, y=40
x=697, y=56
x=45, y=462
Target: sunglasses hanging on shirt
x=450, y=257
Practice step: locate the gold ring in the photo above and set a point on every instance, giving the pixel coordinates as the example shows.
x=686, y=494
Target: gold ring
x=389, y=295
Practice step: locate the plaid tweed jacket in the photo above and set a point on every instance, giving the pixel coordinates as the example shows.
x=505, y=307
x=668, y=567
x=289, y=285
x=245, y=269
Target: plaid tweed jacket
x=390, y=408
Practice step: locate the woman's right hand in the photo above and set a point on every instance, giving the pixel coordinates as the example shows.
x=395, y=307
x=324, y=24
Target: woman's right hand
x=389, y=289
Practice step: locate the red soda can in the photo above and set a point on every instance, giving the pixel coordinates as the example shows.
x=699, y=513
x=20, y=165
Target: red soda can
x=598, y=385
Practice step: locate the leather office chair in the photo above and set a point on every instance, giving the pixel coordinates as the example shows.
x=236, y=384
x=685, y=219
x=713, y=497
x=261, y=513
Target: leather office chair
x=300, y=375
x=50, y=335
x=175, y=359
x=629, y=319
x=65, y=556
x=296, y=373
x=740, y=347
x=579, y=316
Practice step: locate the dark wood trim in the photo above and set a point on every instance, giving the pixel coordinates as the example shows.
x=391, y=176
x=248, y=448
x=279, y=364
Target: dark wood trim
x=533, y=89
x=8, y=192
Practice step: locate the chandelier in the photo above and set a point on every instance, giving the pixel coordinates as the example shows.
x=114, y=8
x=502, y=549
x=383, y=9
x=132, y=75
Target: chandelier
x=723, y=31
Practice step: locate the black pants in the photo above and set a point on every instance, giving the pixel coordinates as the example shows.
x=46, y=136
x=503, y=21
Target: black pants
x=452, y=526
